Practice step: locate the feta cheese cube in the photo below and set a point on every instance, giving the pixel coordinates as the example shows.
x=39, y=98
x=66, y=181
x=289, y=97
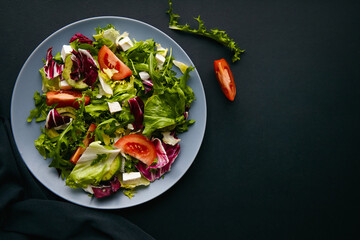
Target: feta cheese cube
x=131, y=177
x=114, y=107
x=125, y=43
x=130, y=126
x=160, y=59
x=65, y=51
x=144, y=75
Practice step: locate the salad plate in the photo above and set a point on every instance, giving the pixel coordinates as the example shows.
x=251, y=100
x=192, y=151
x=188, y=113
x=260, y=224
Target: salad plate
x=29, y=81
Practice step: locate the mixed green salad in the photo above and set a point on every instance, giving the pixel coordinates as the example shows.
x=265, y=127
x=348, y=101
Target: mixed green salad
x=113, y=108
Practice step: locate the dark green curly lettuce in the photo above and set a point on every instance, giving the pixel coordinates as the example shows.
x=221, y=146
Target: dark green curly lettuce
x=215, y=34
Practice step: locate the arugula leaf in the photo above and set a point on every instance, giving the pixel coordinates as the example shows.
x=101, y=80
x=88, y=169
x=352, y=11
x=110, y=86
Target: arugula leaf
x=215, y=34
x=140, y=51
x=61, y=147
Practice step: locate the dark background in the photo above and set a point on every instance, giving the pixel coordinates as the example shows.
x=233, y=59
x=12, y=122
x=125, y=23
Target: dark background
x=282, y=160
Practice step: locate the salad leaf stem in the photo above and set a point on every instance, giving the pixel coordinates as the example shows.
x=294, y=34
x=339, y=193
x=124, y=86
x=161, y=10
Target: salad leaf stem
x=168, y=62
x=215, y=34
x=132, y=64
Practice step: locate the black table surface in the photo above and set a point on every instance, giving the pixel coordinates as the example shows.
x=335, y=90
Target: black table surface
x=282, y=160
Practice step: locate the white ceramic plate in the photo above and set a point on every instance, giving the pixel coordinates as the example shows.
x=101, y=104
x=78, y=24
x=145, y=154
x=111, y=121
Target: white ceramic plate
x=29, y=81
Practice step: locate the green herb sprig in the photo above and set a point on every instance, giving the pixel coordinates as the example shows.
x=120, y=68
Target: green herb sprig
x=215, y=34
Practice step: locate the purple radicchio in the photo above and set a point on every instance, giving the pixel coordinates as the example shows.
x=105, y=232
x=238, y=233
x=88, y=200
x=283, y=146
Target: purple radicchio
x=55, y=120
x=137, y=109
x=52, y=69
x=84, y=67
x=166, y=155
x=81, y=38
x=148, y=85
x=104, y=191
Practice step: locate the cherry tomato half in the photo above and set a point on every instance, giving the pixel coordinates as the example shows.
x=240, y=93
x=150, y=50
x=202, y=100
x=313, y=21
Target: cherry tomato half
x=108, y=59
x=139, y=147
x=225, y=78
x=65, y=98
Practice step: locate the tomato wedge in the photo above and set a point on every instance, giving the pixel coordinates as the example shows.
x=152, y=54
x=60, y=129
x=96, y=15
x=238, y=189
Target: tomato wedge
x=80, y=150
x=139, y=147
x=65, y=98
x=107, y=59
x=225, y=78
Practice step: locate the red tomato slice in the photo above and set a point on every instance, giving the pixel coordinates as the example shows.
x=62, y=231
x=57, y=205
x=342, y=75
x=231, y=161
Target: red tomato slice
x=139, y=147
x=65, y=98
x=80, y=150
x=225, y=78
x=107, y=59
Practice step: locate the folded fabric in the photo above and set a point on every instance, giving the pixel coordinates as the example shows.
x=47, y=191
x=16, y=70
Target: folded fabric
x=27, y=211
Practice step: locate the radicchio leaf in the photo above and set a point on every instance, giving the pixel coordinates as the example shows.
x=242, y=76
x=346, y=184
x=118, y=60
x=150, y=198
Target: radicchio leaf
x=100, y=192
x=148, y=85
x=82, y=39
x=54, y=119
x=104, y=191
x=84, y=67
x=154, y=173
x=52, y=69
x=162, y=158
x=137, y=109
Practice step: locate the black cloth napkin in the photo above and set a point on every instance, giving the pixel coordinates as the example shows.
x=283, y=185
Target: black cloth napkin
x=29, y=212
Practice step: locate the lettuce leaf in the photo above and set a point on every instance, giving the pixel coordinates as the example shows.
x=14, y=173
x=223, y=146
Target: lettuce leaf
x=139, y=182
x=86, y=172
x=164, y=110
x=123, y=90
x=95, y=110
x=44, y=145
x=106, y=36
